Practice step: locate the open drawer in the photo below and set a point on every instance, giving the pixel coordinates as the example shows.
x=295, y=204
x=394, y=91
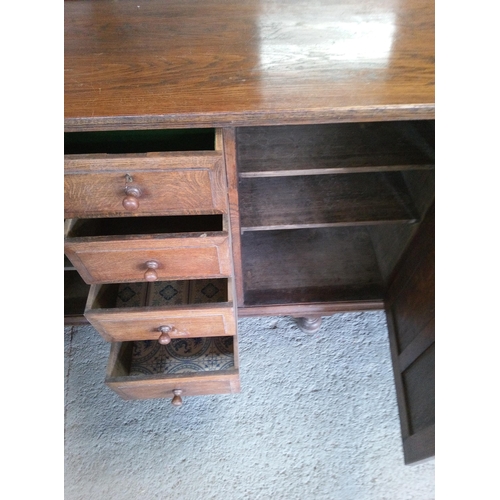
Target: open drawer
x=104, y=185
x=118, y=250
x=185, y=367
x=162, y=310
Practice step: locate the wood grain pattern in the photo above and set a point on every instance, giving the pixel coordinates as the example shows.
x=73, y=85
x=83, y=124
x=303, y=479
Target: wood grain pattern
x=229, y=145
x=324, y=200
x=309, y=265
x=335, y=148
x=170, y=183
x=118, y=260
x=142, y=323
x=311, y=308
x=218, y=63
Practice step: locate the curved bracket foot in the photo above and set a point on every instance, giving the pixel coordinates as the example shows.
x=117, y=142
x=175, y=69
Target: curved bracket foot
x=309, y=325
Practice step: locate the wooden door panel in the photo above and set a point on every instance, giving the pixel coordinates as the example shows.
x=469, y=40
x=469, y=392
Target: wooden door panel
x=410, y=309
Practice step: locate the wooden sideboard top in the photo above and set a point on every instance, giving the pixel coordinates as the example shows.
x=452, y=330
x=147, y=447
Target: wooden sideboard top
x=213, y=63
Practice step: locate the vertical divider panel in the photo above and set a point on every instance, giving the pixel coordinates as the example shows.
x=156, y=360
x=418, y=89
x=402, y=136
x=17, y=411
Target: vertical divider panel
x=229, y=146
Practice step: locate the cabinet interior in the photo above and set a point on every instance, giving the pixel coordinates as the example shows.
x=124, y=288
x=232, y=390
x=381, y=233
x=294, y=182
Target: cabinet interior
x=327, y=210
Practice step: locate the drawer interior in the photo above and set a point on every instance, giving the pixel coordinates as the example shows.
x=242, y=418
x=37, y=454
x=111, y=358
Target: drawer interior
x=139, y=141
x=195, y=367
x=160, y=294
x=192, y=355
x=133, y=226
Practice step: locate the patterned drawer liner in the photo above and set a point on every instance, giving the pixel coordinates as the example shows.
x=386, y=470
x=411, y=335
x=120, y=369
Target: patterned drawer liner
x=163, y=293
x=182, y=356
x=131, y=295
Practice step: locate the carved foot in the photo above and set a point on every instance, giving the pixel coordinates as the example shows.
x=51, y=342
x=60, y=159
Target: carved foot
x=309, y=325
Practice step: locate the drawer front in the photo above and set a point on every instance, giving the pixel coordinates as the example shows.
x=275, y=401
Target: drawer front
x=163, y=386
x=152, y=184
x=199, y=320
x=110, y=260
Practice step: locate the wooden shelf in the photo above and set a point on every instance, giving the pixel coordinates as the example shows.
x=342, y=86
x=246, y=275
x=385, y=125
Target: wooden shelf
x=310, y=265
x=335, y=148
x=324, y=201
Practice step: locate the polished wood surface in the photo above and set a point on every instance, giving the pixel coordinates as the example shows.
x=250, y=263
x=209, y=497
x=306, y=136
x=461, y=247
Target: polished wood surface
x=197, y=63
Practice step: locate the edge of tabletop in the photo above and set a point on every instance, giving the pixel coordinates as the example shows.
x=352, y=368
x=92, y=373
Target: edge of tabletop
x=251, y=118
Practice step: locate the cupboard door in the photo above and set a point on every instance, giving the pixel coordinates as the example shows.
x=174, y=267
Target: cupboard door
x=410, y=309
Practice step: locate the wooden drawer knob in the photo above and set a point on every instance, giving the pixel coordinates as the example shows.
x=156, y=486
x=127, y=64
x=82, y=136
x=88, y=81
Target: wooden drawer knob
x=131, y=201
x=165, y=331
x=177, y=400
x=150, y=274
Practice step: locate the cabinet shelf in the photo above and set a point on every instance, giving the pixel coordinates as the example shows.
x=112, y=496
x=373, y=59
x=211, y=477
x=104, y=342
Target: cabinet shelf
x=325, y=201
x=335, y=148
x=310, y=265
x=327, y=210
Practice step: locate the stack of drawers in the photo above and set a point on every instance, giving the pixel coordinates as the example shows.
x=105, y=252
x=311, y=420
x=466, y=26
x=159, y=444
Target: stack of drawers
x=150, y=233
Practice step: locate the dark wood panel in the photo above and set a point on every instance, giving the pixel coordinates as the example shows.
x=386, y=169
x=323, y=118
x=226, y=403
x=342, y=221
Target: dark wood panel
x=309, y=265
x=412, y=301
x=301, y=201
x=419, y=344
x=421, y=186
x=75, y=297
x=389, y=242
x=218, y=63
x=414, y=307
x=311, y=308
x=304, y=295
x=336, y=148
x=419, y=381
x=421, y=445
x=410, y=312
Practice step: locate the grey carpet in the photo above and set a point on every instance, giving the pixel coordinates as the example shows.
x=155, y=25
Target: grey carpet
x=316, y=419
